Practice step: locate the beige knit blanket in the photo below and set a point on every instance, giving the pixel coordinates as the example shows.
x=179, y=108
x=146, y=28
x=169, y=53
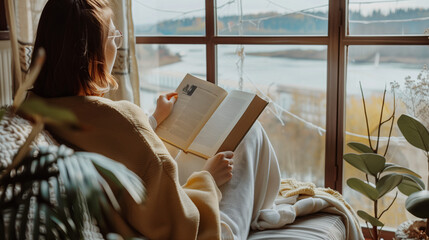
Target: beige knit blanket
x=304, y=198
x=14, y=130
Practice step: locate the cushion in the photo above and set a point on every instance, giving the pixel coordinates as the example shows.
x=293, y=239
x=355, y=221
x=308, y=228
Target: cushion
x=314, y=226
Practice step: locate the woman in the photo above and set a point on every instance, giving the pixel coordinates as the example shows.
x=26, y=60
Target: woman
x=81, y=44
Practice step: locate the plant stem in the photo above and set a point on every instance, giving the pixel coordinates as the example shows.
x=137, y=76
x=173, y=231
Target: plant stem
x=381, y=119
x=391, y=126
x=374, y=228
x=366, y=117
x=374, y=232
x=385, y=210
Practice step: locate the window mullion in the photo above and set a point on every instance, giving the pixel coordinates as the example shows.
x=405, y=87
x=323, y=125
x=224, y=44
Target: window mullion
x=335, y=95
x=210, y=45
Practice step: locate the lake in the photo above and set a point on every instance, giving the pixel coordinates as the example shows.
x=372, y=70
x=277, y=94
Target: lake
x=271, y=71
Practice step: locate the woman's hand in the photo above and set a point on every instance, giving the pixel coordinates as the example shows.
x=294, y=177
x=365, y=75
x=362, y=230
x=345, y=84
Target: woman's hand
x=164, y=105
x=220, y=167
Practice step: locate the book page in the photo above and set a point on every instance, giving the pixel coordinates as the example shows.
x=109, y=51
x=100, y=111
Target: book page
x=221, y=123
x=196, y=102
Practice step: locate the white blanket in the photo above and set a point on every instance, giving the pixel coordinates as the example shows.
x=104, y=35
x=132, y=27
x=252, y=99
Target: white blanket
x=299, y=199
x=249, y=199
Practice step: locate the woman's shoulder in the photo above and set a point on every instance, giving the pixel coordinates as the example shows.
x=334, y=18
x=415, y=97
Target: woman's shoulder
x=124, y=107
x=92, y=108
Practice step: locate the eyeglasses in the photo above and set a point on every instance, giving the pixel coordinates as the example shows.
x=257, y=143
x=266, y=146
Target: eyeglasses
x=117, y=38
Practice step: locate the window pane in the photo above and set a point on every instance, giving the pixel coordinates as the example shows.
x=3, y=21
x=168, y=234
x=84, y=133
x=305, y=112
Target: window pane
x=387, y=64
x=163, y=17
x=163, y=67
x=381, y=17
x=294, y=77
x=287, y=17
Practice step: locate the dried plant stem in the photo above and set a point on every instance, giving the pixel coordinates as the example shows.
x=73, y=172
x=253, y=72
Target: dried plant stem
x=385, y=210
x=391, y=125
x=385, y=121
x=380, y=121
x=29, y=80
x=366, y=116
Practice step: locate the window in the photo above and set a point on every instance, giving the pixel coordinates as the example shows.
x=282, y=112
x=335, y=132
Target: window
x=229, y=51
x=384, y=44
x=306, y=56
x=4, y=35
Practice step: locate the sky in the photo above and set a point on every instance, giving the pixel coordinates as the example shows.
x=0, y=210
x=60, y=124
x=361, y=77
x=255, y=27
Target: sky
x=152, y=11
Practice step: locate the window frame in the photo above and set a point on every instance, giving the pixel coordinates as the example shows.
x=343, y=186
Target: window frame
x=336, y=41
x=4, y=32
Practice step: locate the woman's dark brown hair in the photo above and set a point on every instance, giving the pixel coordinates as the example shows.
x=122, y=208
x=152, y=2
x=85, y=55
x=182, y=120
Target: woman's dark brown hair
x=73, y=34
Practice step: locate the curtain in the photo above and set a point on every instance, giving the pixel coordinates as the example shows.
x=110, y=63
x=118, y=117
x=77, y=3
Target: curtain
x=125, y=69
x=23, y=18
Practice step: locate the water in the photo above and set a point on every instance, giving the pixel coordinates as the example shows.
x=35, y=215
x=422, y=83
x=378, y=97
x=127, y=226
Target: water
x=266, y=71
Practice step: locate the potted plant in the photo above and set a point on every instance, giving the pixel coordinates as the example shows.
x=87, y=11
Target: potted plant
x=418, y=202
x=415, y=96
x=381, y=177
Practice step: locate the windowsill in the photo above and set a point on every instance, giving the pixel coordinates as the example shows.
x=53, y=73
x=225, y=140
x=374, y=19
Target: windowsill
x=4, y=35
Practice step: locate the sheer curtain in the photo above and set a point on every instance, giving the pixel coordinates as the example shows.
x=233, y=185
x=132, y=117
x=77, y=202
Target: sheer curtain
x=125, y=69
x=23, y=18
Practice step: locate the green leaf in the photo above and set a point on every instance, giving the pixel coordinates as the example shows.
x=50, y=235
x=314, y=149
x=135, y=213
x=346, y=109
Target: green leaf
x=387, y=183
x=410, y=184
x=55, y=115
x=415, y=179
x=59, y=225
x=356, y=161
x=24, y=219
x=417, y=204
x=368, y=218
x=374, y=162
x=400, y=169
x=36, y=221
x=364, y=188
x=359, y=147
x=370, y=163
x=120, y=175
x=44, y=190
x=415, y=132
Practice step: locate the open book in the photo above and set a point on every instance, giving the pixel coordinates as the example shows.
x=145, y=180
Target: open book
x=206, y=119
